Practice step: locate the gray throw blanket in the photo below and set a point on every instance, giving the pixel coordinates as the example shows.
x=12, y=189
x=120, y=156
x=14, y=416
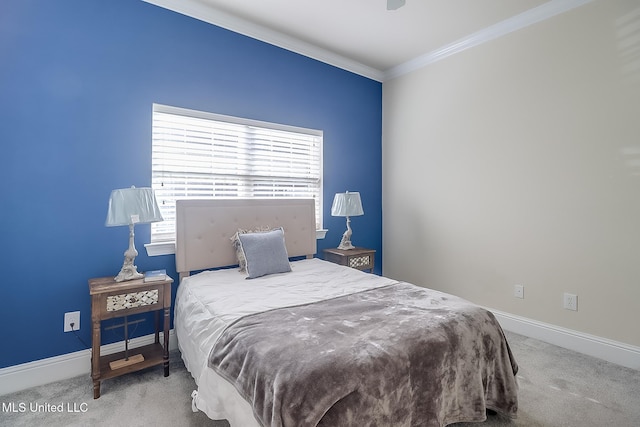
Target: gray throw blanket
x=400, y=355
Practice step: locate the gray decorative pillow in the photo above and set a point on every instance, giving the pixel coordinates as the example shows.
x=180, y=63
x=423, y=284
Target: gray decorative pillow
x=265, y=253
x=242, y=263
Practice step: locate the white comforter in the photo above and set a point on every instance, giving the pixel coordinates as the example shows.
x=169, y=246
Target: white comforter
x=207, y=302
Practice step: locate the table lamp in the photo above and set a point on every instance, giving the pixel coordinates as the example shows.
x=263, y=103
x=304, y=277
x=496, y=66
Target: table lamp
x=347, y=204
x=131, y=206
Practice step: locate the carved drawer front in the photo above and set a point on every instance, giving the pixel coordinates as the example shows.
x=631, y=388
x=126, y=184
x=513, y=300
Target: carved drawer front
x=363, y=261
x=132, y=300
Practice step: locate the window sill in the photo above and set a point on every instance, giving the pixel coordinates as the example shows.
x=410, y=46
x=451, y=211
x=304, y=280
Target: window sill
x=162, y=248
x=168, y=248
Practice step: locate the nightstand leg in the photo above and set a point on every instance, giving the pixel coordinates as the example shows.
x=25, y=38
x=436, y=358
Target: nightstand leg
x=156, y=316
x=166, y=342
x=95, y=359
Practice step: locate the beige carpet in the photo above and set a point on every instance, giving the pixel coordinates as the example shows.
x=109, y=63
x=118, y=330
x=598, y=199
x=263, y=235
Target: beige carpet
x=557, y=388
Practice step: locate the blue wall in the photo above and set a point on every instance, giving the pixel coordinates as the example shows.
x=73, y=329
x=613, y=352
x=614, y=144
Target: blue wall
x=77, y=82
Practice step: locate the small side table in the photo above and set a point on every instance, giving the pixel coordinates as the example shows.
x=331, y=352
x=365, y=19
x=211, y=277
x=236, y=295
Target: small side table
x=358, y=258
x=111, y=299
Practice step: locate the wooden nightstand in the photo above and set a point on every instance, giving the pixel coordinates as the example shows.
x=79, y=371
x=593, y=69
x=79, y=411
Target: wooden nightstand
x=111, y=299
x=358, y=258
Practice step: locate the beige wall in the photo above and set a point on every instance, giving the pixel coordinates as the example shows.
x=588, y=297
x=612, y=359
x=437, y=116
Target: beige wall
x=518, y=162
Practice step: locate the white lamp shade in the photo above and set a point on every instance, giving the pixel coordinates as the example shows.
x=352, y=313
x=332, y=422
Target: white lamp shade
x=347, y=204
x=132, y=206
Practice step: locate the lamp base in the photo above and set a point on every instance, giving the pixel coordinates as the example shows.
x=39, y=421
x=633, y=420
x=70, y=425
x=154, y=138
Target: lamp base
x=128, y=272
x=345, y=242
x=346, y=245
x=346, y=248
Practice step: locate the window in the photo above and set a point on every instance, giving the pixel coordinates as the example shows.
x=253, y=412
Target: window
x=197, y=154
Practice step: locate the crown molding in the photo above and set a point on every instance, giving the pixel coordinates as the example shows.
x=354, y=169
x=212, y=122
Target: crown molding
x=199, y=11
x=515, y=23
x=213, y=16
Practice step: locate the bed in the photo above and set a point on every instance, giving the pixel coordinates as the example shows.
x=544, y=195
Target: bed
x=311, y=343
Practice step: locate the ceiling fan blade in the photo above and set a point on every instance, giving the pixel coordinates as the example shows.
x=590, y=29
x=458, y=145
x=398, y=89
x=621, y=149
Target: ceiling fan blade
x=395, y=4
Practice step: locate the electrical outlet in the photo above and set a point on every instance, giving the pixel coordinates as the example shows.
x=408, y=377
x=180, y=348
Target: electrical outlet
x=518, y=291
x=69, y=318
x=571, y=301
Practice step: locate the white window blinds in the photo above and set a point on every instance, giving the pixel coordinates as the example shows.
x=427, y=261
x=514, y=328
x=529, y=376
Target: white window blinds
x=198, y=154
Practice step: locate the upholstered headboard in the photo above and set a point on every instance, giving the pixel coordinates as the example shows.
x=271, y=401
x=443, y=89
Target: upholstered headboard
x=204, y=228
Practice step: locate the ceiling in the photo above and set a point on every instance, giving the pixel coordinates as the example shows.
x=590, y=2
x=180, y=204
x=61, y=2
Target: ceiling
x=362, y=35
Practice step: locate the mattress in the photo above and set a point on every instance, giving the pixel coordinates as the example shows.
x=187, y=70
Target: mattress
x=207, y=302
x=470, y=363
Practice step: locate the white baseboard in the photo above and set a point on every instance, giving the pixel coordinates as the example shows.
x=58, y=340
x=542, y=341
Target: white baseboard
x=602, y=348
x=39, y=372
x=26, y=375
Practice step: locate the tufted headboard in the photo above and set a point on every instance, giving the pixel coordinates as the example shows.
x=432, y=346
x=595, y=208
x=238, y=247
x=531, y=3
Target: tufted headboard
x=204, y=228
